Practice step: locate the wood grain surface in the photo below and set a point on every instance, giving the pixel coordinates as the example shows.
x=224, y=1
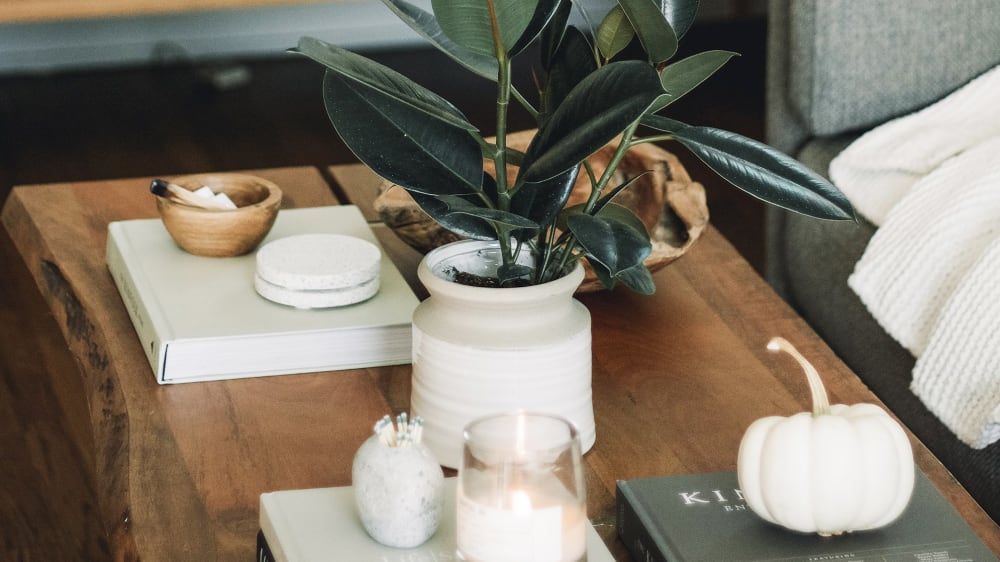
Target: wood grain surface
x=678, y=376
x=48, y=501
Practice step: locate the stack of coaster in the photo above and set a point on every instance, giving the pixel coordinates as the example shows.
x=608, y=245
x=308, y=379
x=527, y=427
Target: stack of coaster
x=318, y=270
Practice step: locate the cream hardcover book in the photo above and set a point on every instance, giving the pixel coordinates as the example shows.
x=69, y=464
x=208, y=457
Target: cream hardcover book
x=199, y=318
x=322, y=525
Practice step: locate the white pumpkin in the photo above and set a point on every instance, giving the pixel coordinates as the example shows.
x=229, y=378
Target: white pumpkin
x=833, y=470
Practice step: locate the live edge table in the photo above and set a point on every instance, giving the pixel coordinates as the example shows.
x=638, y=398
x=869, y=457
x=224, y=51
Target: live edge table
x=677, y=378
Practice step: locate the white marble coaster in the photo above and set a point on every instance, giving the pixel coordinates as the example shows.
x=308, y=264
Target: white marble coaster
x=315, y=299
x=318, y=270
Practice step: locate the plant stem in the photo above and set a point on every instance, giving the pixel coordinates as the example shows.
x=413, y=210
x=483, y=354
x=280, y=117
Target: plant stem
x=546, y=240
x=655, y=138
x=500, y=157
x=566, y=255
x=596, y=190
x=590, y=174
x=609, y=172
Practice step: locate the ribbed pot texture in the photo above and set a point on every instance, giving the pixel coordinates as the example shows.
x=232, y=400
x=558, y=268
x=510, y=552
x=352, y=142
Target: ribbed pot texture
x=480, y=351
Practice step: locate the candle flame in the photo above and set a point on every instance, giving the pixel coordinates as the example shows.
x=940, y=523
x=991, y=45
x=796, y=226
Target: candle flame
x=520, y=503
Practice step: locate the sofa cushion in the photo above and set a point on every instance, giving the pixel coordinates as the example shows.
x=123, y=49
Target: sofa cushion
x=835, y=49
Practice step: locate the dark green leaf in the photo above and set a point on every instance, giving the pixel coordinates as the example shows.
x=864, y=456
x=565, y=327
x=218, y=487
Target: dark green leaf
x=760, y=170
x=625, y=242
x=654, y=31
x=460, y=206
x=463, y=225
x=602, y=274
x=469, y=24
x=685, y=75
x=546, y=11
x=607, y=197
x=407, y=140
x=407, y=147
x=614, y=33
x=562, y=221
x=614, y=244
x=608, y=212
x=680, y=13
x=623, y=215
x=542, y=201
x=552, y=34
x=573, y=61
x=372, y=75
x=599, y=108
x=661, y=123
x=639, y=279
x=514, y=157
x=427, y=26
x=490, y=189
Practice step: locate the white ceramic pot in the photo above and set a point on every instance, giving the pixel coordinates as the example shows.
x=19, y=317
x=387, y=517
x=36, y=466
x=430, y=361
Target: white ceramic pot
x=480, y=351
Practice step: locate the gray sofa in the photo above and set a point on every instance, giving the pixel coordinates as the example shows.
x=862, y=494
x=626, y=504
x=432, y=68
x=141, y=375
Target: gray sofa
x=835, y=69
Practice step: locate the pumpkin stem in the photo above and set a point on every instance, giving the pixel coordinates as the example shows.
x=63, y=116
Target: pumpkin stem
x=821, y=403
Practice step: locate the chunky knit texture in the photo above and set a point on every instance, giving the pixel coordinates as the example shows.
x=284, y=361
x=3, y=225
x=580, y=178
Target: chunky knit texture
x=883, y=165
x=958, y=376
x=931, y=273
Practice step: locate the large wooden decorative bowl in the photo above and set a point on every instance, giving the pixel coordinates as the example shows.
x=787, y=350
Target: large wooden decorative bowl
x=671, y=206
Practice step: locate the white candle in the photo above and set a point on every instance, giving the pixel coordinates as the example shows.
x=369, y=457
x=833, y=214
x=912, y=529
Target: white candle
x=522, y=528
x=521, y=496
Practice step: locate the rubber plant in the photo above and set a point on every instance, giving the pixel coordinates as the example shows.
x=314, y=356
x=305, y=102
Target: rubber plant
x=590, y=92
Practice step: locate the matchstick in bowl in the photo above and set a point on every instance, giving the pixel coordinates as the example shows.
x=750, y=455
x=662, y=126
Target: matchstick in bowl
x=218, y=232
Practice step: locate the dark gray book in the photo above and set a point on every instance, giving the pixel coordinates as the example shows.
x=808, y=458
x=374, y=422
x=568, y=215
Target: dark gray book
x=702, y=517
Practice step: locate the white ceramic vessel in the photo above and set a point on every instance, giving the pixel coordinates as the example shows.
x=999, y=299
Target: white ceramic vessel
x=399, y=492
x=480, y=351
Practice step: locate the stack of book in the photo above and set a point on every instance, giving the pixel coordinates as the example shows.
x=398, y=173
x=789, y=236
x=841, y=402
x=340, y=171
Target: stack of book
x=199, y=318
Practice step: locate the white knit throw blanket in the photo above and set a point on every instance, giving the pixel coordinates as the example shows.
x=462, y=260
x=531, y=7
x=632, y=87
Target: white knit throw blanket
x=880, y=167
x=931, y=273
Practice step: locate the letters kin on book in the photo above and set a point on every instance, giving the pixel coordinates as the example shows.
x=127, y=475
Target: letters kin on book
x=730, y=501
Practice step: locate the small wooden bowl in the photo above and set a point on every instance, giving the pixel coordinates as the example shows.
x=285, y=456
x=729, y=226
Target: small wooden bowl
x=222, y=233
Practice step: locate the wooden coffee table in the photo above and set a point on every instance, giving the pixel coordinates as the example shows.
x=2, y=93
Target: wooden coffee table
x=178, y=470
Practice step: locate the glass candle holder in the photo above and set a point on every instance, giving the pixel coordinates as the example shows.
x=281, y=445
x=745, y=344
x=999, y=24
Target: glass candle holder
x=521, y=492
